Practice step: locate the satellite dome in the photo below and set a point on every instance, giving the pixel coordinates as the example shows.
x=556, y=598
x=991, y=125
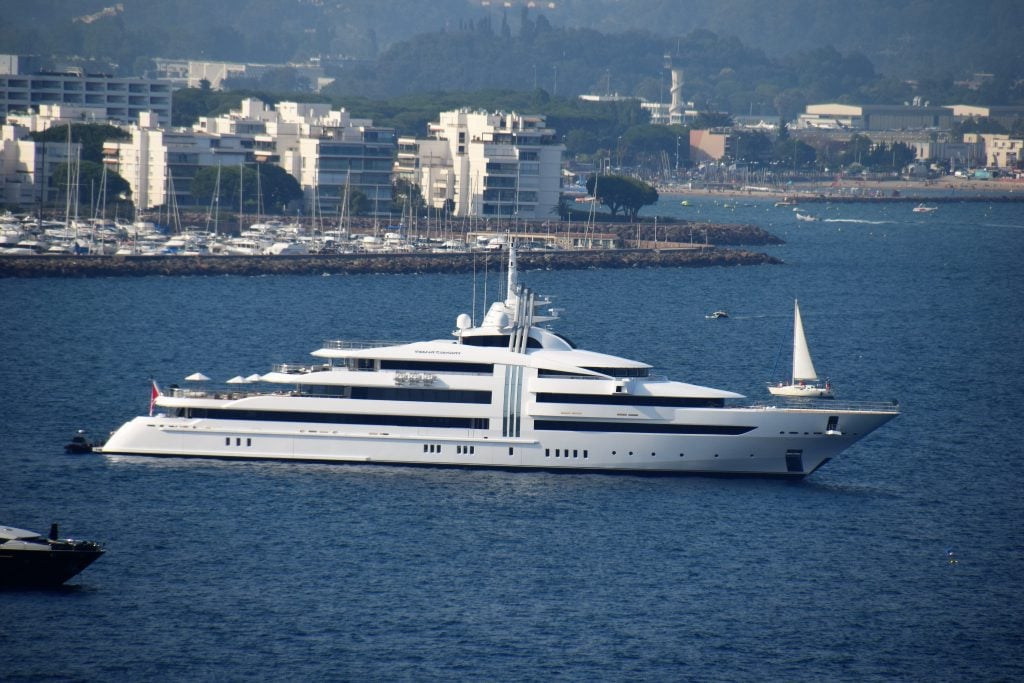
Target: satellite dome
x=463, y=322
x=502, y=320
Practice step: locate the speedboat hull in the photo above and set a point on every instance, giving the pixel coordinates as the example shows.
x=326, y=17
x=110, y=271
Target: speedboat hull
x=29, y=560
x=39, y=568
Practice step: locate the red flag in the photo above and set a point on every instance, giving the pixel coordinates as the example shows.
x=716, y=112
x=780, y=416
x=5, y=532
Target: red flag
x=154, y=392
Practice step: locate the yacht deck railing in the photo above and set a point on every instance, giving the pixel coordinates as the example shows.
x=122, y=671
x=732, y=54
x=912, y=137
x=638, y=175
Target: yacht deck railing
x=345, y=344
x=828, y=404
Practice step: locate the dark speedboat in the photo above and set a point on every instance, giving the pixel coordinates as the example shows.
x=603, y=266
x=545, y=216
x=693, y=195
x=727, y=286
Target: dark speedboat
x=28, y=559
x=79, y=443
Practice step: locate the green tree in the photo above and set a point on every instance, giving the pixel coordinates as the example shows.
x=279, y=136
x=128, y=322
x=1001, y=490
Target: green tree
x=275, y=185
x=358, y=203
x=90, y=183
x=90, y=135
x=793, y=154
x=711, y=119
x=404, y=193
x=622, y=193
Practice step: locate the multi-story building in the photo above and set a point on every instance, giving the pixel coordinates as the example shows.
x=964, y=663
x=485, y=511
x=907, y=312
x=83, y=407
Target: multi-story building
x=325, y=149
x=27, y=168
x=1001, y=151
x=486, y=164
x=117, y=98
x=157, y=160
x=1005, y=116
x=714, y=144
x=191, y=73
x=876, y=117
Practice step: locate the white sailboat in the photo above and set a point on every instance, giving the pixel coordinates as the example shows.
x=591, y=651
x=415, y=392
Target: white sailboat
x=804, y=380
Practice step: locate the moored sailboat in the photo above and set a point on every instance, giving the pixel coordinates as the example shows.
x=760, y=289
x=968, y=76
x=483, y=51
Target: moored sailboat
x=803, y=379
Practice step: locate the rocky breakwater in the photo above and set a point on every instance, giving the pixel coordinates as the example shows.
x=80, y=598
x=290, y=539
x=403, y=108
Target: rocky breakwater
x=108, y=266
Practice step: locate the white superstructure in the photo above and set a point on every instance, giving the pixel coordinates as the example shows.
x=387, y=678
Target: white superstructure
x=505, y=393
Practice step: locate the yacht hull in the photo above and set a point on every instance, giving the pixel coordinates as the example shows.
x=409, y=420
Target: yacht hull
x=789, y=442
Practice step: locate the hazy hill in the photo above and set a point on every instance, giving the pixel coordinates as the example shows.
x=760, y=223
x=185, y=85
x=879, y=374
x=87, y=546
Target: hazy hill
x=923, y=39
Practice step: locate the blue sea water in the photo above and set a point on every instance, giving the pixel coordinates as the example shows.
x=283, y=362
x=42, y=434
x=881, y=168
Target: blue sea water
x=304, y=571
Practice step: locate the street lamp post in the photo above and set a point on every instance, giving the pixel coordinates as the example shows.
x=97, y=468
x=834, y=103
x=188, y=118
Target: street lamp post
x=678, y=138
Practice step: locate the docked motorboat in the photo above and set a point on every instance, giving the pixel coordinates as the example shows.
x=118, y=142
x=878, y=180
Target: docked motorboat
x=504, y=392
x=803, y=380
x=27, y=559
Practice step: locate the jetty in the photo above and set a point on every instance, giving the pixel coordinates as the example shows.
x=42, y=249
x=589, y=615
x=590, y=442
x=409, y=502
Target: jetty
x=68, y=265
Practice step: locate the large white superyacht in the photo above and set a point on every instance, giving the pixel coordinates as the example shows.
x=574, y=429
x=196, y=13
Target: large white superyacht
x=506, y=393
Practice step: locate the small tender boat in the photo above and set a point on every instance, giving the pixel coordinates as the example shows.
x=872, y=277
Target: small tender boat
x=79, y=443
x=28, y=559
x=922, y=208
x=716, y=315
x=804, y=380
x=806, y=217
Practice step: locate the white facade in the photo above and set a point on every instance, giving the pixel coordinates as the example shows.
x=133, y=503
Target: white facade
x=875, y=117
x=154, y=154
x=324, y=149
x=26, y=167
x=118, y=98
x=1000, y=151
x=487, y=164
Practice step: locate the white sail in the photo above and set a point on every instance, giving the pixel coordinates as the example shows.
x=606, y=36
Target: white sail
x=803, y=368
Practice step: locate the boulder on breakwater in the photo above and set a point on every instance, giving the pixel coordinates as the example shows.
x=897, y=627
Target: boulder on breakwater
x=60, y=265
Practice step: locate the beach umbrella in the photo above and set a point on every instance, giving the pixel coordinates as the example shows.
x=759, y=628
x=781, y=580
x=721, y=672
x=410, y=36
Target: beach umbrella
x=237, y=379
x=197, y=377
x=253, y=378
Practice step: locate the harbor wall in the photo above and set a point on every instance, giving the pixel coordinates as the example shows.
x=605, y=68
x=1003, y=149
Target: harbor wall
x=65, y=265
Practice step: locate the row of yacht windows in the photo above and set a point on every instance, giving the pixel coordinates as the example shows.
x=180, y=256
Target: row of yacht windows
x=336, y=418
x=629, y=400
x=436, y=366
x=636, y=427
x=497, y=340
x=611, y=372
x=459, y=450
x=397, y=394
x=564, y=453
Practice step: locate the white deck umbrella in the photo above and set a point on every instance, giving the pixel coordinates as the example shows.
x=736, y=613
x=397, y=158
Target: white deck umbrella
x=237, y=379
x=254, y=377
x=197, y=377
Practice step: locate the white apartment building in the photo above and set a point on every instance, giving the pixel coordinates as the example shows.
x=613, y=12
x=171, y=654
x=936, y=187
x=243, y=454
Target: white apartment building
x=26, y=168
x=118, y=98
x=325, y=149
x=158, y=159
x=486, y=164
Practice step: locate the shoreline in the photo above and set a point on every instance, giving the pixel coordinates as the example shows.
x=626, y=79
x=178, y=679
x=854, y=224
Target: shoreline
x=849, y=190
